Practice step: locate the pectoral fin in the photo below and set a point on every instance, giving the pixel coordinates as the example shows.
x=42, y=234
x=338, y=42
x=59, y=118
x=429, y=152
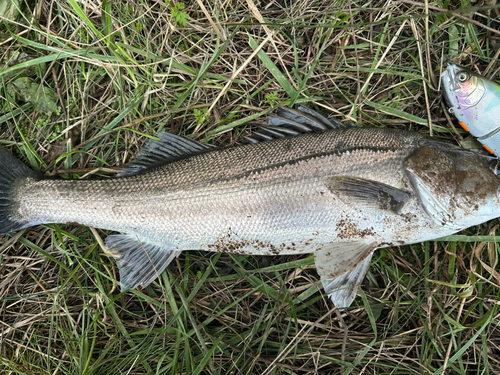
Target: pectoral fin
x=139, y=262
x=342, y=267
x=367, y=193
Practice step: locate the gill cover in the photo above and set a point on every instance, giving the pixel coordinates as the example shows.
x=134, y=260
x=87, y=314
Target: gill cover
x=456, y=187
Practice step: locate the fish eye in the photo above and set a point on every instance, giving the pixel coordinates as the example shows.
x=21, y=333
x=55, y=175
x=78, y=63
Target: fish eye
x=463, y=76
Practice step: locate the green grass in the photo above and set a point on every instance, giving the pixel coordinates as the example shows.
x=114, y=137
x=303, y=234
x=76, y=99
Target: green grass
x=127, y=69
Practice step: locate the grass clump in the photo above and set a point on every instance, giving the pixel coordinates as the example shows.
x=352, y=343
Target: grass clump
x=120, y=72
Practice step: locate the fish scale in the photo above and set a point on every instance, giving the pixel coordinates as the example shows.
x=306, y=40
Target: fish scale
x=176, y=198
x=339, y=194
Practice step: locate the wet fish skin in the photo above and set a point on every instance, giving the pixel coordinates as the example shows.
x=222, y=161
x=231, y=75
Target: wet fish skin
x=252, y=175
x=340, y=194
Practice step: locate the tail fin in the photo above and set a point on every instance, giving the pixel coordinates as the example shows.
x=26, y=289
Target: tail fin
x=12, y=172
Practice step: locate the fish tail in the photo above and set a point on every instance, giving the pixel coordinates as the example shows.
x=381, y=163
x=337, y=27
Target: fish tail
x=13, y=174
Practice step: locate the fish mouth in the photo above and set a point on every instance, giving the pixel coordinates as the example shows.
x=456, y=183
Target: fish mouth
x=449, y=78
x=449, y=85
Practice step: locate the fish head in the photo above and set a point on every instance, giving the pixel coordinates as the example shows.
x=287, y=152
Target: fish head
x=462, y=88
x=457, y=188
x=475, y=102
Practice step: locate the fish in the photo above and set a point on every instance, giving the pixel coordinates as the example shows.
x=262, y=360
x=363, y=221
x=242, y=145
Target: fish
x=475, y=102
x=309, y=185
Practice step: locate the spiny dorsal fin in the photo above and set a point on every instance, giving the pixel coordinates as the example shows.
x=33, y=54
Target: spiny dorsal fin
x=330, y=123
x=303, y=118
x=268, y=133
x=307, y=116
x=277, y=120
x=168, y=148
x=288, y=122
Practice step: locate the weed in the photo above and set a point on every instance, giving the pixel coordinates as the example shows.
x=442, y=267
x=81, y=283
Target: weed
x=178, y=14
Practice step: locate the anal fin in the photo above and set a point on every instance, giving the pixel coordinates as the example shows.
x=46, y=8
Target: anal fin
x=139, y=262
x=342, y=267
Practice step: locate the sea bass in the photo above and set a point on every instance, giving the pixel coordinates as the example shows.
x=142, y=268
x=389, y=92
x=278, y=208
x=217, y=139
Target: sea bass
x=339, y=194
x=475, y=101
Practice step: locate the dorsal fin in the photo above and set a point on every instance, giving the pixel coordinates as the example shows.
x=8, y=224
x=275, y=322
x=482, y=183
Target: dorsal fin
x=287, y=122
x=307, y=116
x=285, y=132
x=332, y=123
x=277, y=120
x=168, y=148
x=268, y=133
x=302, y=118
x=318, y=117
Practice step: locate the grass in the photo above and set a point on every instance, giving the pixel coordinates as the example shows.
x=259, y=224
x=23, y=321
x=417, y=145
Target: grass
x=121, y=71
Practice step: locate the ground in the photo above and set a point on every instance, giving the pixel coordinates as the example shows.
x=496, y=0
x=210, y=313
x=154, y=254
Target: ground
x=85, y=83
